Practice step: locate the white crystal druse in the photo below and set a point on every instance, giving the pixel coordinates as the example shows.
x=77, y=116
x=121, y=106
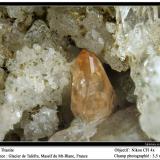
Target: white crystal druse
x=37, y=77
x=44, y=124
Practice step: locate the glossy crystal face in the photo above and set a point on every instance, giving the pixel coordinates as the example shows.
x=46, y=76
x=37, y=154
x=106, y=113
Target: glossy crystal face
x=92, y=93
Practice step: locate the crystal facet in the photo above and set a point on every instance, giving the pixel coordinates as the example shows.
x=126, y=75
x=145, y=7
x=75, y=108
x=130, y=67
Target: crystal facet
x=92, y=96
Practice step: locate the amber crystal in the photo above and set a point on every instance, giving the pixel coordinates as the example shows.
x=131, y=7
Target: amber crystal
x=92, y=97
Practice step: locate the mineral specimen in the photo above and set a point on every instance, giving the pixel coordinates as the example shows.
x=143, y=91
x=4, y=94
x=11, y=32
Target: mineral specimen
x=93, y=97
x=137, y=38
x=38, y=98
x=44, y=124
x=37, y=77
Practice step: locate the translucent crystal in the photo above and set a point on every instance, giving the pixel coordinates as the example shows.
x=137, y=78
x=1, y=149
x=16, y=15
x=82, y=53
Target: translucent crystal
x=148, y=100
x=138, y=39
x=38, y=33
x=93, y=96
x=9, y=116
x=44, y=124
x=37, y=77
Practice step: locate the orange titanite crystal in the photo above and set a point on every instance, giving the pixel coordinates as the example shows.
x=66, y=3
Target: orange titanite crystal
x=92, y=97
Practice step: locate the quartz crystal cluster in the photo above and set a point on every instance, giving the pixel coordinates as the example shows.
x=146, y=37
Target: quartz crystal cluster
x=138, y=40
x=79, y=73
x=37, y=78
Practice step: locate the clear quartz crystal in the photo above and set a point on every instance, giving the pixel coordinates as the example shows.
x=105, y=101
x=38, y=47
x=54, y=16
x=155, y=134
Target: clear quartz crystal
x=138, y=38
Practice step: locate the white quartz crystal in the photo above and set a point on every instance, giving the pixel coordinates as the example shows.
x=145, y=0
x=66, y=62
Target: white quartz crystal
x=44, y=124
